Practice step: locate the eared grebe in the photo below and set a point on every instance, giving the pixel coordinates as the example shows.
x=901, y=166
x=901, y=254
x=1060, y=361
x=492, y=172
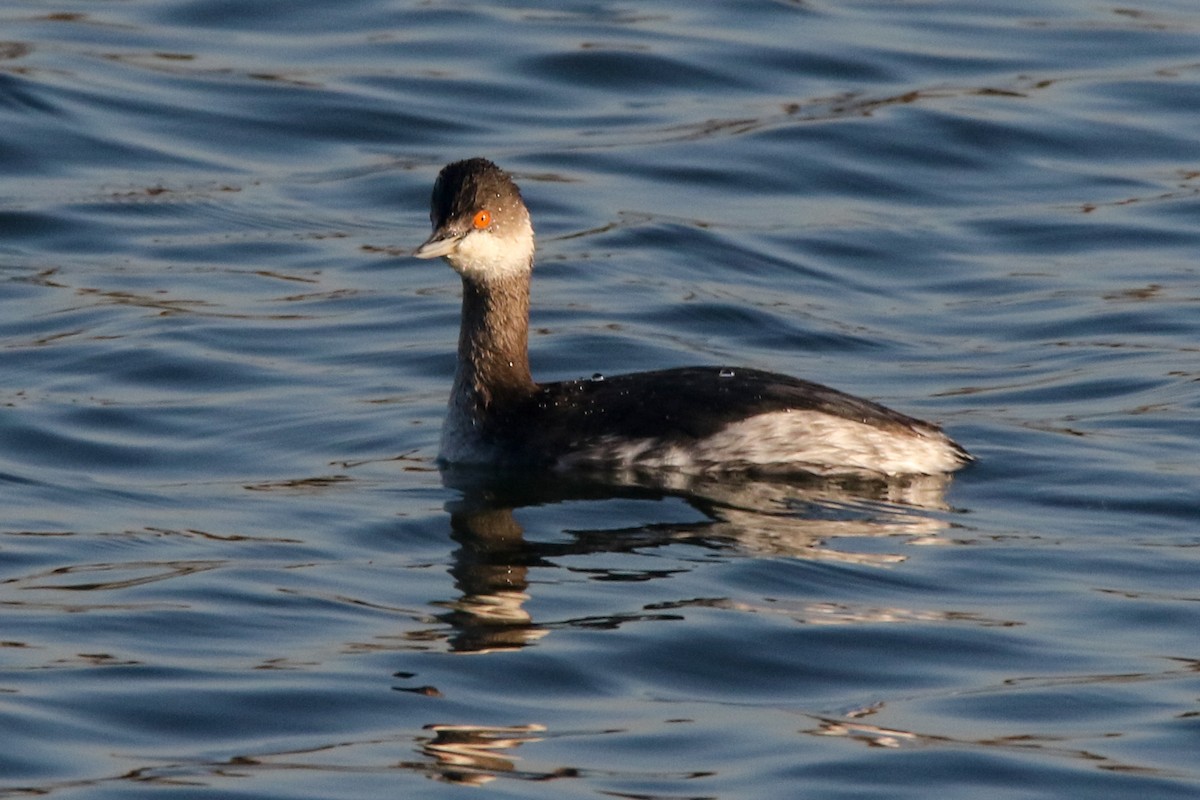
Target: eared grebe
x=692, y=419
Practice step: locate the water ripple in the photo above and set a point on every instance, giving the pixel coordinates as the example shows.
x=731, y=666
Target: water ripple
x=231, y=564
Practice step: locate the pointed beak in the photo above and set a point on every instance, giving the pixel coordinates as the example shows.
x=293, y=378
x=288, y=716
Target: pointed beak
x=441, y=243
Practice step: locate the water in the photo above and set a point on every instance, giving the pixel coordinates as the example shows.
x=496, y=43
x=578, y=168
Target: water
x=229, y=566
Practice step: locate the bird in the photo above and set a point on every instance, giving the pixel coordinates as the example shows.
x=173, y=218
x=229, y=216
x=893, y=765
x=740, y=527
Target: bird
x=691, y=420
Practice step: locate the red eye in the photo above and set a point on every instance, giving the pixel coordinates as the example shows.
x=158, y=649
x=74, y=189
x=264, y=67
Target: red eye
x=482, y=219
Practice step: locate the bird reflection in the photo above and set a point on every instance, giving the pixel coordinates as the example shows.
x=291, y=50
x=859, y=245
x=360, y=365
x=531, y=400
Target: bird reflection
x=490, y=571
x=475, y=754
x=801, y=518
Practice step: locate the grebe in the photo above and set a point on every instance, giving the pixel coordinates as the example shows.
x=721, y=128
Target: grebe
x=691, y=419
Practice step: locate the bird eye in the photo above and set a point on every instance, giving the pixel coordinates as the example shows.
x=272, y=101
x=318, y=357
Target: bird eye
x=482, y=219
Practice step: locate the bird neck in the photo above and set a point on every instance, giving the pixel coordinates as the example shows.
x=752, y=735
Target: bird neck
x=493, y=343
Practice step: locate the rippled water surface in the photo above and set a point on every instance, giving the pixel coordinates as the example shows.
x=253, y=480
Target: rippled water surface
x=229, y=566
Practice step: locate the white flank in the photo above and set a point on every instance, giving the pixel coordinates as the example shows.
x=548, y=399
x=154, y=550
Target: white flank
x=802, y=440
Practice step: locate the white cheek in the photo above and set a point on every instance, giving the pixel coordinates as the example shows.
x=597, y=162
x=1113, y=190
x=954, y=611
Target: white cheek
x=483, y=254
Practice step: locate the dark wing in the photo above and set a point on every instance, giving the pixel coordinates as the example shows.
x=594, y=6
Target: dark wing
x=685, y=404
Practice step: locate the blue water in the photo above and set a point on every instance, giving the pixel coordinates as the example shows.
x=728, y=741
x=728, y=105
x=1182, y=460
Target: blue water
x=229, y=566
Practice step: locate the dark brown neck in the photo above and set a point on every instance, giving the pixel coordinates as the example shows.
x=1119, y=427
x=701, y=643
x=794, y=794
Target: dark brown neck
x=493, y=344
